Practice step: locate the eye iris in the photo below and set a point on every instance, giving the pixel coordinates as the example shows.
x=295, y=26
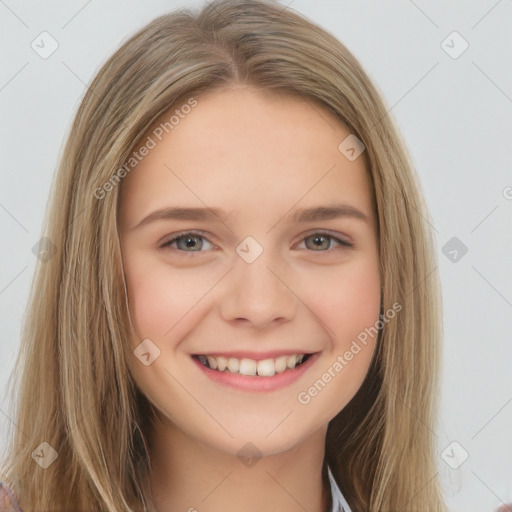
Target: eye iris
x=190, y=242
x=320, y=238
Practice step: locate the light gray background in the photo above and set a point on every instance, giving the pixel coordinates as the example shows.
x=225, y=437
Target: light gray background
x=455, y=114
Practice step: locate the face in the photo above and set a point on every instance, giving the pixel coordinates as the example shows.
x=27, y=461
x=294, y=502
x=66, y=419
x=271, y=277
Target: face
x=248, y=240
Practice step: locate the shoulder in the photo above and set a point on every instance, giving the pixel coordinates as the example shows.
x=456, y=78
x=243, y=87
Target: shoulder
x=8, y=502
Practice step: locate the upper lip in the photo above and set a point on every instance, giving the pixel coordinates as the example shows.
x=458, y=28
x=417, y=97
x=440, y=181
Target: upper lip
x=256, y=356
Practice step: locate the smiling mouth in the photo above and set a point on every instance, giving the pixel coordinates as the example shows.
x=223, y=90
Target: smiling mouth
x=251, y=367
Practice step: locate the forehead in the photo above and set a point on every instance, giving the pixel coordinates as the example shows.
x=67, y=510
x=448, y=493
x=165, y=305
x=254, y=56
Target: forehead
x=244, y=148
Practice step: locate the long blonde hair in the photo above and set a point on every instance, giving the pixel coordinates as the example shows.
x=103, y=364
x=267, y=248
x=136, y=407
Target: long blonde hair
x=73, y=388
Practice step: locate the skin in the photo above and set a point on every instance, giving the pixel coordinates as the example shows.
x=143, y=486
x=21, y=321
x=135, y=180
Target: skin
x=259, y=157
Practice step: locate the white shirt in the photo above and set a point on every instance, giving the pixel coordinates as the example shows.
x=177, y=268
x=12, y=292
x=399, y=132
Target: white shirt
x=339, y=503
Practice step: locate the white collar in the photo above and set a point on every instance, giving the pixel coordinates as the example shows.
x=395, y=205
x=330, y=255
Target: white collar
x=339, y=503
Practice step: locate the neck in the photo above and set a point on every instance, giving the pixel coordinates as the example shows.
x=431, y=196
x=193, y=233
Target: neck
x=189, y=475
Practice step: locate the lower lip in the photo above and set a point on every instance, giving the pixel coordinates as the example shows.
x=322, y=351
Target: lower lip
x=256, y=383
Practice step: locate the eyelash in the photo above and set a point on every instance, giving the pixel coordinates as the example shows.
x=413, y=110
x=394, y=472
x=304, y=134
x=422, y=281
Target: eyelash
x=342, y=243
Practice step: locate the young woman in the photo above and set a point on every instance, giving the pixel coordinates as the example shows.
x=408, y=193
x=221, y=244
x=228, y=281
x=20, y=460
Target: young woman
x=241, y=307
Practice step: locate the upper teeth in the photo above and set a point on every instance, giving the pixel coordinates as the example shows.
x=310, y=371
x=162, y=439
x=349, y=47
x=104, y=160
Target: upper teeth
x=250, y=367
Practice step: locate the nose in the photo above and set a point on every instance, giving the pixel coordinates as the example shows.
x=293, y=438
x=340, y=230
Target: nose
x=258, y=294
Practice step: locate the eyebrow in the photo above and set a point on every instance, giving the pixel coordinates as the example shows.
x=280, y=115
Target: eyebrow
x=217, y=215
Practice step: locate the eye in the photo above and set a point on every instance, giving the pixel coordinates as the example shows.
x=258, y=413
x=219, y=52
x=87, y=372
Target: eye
x=187, y=242
x=195, y=242
x=322, y=242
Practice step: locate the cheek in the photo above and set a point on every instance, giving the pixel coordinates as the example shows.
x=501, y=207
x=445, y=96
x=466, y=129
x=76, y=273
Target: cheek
x=349, y=301
x=158, y=297
x=349, y=308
